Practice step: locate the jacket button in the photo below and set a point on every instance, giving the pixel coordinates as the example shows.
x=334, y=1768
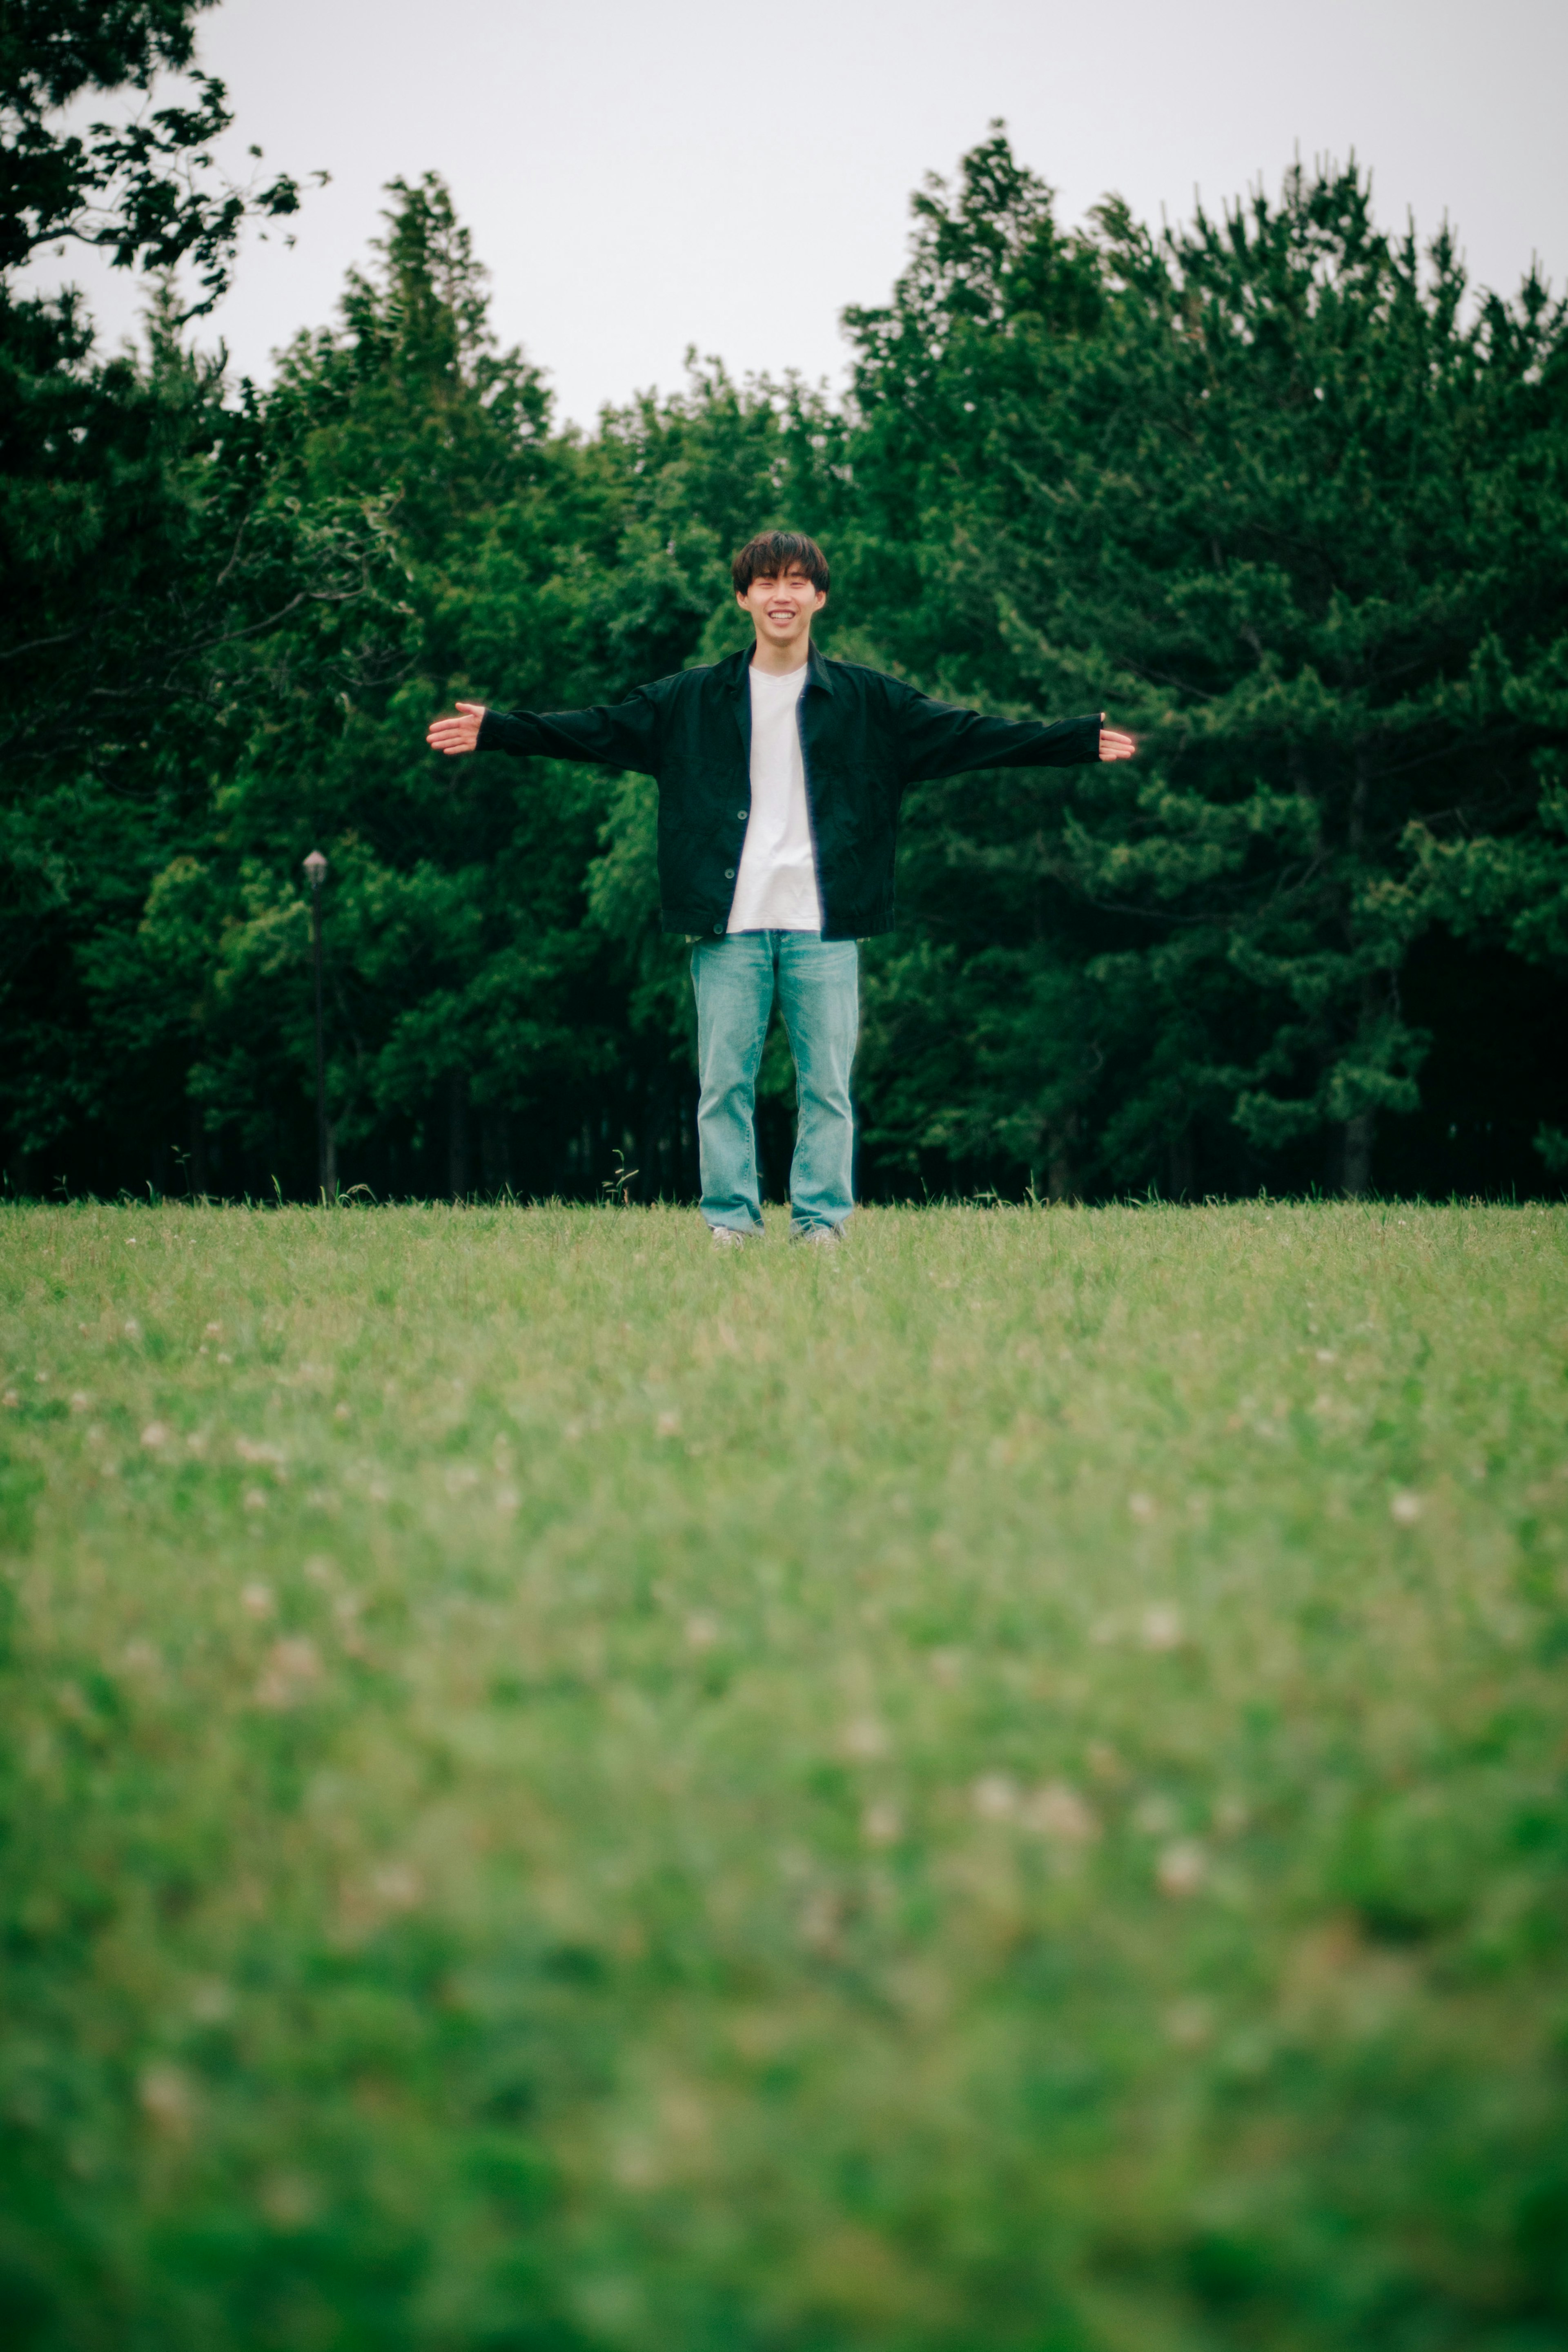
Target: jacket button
x=741, y=814
x=729, y=872
x=718, y=929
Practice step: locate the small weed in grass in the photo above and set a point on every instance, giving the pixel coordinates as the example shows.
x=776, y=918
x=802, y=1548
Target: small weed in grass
x=1001, y=1787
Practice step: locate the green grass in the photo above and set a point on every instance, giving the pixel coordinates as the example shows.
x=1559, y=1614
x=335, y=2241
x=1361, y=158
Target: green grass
x=1007, y=1788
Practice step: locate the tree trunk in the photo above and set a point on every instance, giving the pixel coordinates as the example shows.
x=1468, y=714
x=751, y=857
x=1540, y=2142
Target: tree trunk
x=1058, y=1159
x=649, y=1156
x=457, y=1135
x=1183, y=1163
x=196, y=1165
x=1356, y=1138
x=494, y=1152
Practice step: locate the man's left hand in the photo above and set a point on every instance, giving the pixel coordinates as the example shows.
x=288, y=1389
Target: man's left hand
x=460, y=734
x=1114, y=745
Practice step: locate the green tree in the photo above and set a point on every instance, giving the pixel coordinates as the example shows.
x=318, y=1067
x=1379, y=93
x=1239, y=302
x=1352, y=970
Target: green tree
x=106, y=533
x=1270, y=486
x=454, y=897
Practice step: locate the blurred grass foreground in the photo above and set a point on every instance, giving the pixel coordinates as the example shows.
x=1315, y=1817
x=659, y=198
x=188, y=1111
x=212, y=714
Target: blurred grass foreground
x=1004, y=1787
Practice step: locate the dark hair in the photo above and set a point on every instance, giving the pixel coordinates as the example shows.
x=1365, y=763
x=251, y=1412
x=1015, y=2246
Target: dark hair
x=772, y=553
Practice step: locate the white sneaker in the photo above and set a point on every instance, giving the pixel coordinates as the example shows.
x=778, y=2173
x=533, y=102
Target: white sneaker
x=726, y=1237
x=818, y=1237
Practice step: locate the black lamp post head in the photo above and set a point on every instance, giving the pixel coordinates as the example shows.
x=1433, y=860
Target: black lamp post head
x=314, y=867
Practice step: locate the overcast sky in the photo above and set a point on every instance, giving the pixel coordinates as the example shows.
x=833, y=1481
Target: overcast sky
x=639, y=178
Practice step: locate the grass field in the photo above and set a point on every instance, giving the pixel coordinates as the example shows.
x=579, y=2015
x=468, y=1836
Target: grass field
x=1003, y=1790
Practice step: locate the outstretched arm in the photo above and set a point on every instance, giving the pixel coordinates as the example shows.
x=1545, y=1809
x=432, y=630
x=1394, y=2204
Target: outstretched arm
x=941, y=740
x=612, y=734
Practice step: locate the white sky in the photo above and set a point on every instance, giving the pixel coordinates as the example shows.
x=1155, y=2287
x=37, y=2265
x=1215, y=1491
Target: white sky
x=642, y=177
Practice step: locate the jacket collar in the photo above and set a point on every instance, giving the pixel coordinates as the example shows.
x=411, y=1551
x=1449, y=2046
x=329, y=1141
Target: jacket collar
x=819, y=671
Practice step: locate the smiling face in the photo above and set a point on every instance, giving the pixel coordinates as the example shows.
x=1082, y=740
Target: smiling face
x=782, y=606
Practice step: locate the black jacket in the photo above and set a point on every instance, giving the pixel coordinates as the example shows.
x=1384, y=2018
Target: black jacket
x=864, y=739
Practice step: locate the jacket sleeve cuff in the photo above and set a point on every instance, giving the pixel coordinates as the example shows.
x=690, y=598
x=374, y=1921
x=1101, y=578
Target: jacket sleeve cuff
x=506, y=730
x=1071, y=743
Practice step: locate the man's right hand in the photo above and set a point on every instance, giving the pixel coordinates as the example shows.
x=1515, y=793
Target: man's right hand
x=459, y=734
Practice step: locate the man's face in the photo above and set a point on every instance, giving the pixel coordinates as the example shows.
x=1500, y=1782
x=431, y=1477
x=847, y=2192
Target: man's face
x=782, y=606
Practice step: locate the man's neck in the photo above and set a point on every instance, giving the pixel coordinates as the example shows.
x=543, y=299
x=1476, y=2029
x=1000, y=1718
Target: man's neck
x=781, y=661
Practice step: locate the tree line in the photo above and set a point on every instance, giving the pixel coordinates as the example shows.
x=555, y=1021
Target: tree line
x=1280, y=489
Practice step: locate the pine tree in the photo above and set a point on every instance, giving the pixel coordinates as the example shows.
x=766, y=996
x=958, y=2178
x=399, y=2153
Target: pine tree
x=1264, y=486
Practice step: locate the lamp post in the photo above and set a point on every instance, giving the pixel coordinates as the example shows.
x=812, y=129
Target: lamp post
x=316, y=867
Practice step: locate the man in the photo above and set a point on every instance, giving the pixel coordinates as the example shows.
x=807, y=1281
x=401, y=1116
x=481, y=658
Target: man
x=780, y=775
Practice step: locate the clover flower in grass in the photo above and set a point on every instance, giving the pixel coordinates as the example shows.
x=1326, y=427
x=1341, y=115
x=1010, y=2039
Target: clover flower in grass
x=823, y=1920
x=882, y=1823
x=156, y=1433
x=289, y=2200
x=1154, y=1816
x=397, y=1884
x=1059, y=1812
x=702, y=1630
x=1181, y=1869
x=1406, y=1508
x=292, y=1669
x=995, y=1797
x=167, y=2099
x=1161, y=1628
x=255, y=1450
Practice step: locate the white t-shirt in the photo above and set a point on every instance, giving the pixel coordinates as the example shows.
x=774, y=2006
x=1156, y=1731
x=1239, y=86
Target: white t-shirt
x=776, y=885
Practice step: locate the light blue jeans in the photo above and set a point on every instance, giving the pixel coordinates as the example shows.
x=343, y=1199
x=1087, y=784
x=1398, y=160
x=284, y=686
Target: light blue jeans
x=818, y=983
